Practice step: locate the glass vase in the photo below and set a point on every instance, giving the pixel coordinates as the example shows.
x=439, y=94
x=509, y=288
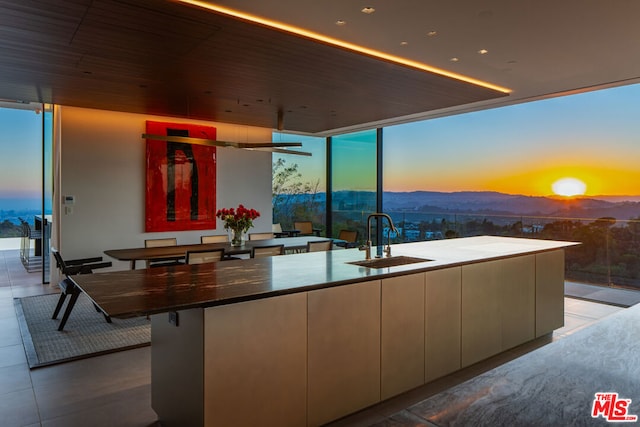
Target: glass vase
x=236, y=237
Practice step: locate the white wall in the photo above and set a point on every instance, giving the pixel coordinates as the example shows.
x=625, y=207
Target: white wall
x=103, y=166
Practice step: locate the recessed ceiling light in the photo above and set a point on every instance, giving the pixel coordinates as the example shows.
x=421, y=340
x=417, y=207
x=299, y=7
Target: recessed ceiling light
x=368, y=10
x=341, y=22
x=432, y=33
x=403, y=43
x=454, y=59
x=483, y=51
x=340, y=43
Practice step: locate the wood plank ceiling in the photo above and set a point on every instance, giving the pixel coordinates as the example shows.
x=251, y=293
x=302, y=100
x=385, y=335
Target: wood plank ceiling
x=165, y=58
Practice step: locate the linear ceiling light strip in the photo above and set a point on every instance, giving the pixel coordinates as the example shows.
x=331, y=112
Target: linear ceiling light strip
x=341, y=43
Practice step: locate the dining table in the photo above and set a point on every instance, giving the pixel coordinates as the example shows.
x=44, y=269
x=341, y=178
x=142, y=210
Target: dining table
x=179, y=251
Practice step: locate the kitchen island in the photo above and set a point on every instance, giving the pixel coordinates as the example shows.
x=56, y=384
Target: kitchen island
x=308, y=338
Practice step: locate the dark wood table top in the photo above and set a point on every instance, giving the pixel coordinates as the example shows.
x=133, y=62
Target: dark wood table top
x=131, y=293
x=141, y=292
x=136, y=254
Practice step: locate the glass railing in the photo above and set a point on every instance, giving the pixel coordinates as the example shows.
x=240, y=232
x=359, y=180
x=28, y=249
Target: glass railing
x=609, y=254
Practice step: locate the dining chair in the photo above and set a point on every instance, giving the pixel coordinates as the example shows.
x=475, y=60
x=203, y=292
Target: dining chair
x=156, y=243
x=165, y=261
x=278, y=232
x=261, y=236
x=267, y=251
x=204, y=256
x=30, y=262
x=319, y=246
x=68, y=288
x=349, y=238
x=220, y=238
x=305, y=228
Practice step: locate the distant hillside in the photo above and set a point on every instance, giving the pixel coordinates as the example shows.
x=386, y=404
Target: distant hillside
x=616, y=199
x=487, y=202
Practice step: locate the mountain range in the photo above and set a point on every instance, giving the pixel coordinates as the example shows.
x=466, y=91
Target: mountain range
x=495, y=203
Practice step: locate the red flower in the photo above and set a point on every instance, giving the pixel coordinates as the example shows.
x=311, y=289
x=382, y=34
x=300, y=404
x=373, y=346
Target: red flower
x=240, y=219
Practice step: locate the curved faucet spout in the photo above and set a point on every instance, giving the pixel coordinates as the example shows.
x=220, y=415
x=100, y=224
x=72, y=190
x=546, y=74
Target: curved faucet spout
x=392, y=228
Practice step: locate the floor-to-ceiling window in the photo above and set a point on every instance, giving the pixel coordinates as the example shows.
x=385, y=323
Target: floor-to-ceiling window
x=299, y=182
x=353, y=179
x=564, y=168
x=25, y=183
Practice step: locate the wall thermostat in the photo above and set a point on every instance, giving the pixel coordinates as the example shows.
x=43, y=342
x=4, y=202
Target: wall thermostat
x=69, y=200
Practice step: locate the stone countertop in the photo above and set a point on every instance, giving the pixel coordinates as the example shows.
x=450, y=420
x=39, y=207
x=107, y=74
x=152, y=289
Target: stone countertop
x=131, y=293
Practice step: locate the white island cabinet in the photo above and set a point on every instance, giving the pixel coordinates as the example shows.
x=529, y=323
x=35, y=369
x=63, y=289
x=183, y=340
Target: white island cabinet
x=402, y=334
x=240, y=364
x=343, y=350
x=498, y=306
x=442, y=322
x=549, y=292
x=350, y=336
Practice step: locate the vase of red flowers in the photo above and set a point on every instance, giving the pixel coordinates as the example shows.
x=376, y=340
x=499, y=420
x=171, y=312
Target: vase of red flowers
x=237, y=221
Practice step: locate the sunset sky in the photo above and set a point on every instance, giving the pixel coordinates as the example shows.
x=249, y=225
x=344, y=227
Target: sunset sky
x=523, y=149
x=593, y=137
x=21, y=154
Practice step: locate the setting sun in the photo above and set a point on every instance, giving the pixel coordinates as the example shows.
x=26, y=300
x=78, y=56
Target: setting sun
x=569, y=187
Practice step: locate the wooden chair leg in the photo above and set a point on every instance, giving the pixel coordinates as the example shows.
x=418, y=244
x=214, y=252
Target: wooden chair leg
x=63, y=296
x=67, y=312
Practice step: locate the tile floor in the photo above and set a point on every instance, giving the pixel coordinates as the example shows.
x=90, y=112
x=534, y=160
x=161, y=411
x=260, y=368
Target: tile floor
x=114, y=390
x=555, y=385
x=110, y=390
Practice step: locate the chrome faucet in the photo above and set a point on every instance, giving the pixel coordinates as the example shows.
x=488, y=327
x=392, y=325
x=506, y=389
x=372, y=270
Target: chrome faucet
x=392, y=228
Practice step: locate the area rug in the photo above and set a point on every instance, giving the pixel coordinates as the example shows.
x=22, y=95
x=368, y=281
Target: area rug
x=86, y=333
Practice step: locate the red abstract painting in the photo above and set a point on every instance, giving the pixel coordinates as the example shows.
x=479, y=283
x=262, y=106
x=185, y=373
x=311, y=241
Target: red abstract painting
x=181, y=179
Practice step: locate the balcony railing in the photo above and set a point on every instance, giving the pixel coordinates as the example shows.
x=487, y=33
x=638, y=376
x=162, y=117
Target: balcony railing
x=609, y=254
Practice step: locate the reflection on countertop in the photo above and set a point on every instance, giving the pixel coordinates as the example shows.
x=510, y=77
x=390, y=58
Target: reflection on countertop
x=141, y=292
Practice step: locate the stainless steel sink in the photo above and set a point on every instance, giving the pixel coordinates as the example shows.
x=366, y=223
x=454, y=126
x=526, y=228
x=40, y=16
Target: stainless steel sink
x=388, y=262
